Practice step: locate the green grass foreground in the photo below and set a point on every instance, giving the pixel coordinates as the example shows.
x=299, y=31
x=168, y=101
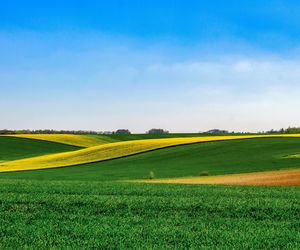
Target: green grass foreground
x=76, y=215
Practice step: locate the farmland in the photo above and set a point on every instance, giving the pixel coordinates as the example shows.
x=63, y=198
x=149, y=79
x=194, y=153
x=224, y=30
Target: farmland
x=12, y=148
x=217, y=158
x=288, y=177
x=64, y=214
x=114, y=150
x=74, y=140
x=107, y=204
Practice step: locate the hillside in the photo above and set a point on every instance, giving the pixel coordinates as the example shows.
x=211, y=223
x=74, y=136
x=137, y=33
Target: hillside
x=74, y=140
x=13, y=148
x=114, y=150
x=216, y=158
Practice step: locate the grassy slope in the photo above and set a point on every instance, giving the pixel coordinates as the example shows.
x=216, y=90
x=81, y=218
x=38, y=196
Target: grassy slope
x=106, y=152
x=215, y=157
x=12, y=148
x=85, y=214
x=69, y=139
x=43, y=215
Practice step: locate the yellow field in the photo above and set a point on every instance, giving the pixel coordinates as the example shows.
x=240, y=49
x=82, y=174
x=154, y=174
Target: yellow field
x=289, y=177
x=75, y=140
x=111, y=151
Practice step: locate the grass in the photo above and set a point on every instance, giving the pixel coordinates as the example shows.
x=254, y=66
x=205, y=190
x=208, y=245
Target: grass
x=85, y=207
x=85, y=215
x=112, y=151
x=74, y=140
x=217, y=158
x=12, y=148
x=102, y=152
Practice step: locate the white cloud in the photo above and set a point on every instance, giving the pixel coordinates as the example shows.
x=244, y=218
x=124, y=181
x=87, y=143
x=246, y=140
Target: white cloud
x=106, y=86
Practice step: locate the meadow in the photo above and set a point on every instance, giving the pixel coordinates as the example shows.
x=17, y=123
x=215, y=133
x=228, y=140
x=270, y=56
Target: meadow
x=99, y=205
x=64, y=214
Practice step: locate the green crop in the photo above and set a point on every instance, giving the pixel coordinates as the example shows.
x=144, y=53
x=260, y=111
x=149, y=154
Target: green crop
x=76, y=215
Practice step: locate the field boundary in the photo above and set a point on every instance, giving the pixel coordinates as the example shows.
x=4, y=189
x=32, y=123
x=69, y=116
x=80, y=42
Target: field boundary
x=283, y=177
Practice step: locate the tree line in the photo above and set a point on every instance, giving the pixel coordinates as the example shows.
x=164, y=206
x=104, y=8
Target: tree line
x=80, y=132
x=289, y=130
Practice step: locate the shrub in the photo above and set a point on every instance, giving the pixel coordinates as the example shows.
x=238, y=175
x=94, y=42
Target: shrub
x=151, y=175
x=157, y=131
x=122, y=132
x=204, y=173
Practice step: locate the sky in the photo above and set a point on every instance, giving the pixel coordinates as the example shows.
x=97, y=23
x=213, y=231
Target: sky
x=184, y=66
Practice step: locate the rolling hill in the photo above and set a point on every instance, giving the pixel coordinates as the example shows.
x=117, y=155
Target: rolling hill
x=110, y=151
x=216, y=158
x=101, y=204
x=13, y=148
x=69, y=139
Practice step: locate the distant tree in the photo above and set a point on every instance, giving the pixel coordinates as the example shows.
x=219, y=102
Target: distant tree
x=6, y=131
x=292, y=130
x=157, y=131
x=48, y=131
x=122, y=132
x=107, y=132
x=217, y=131
x=289, y=130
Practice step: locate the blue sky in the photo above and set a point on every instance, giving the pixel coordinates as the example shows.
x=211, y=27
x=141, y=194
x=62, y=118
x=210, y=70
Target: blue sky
x=185, y=66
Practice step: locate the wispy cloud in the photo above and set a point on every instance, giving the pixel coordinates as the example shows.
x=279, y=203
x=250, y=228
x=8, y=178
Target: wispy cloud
x=97, y=82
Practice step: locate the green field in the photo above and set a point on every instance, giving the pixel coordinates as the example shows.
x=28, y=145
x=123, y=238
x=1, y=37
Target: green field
x=12, y=148
x=76, y=215
x=224, y=157
x=88, y=206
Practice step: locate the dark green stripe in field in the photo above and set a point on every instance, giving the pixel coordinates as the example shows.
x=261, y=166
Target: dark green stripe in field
x=93, y=215
x=12, y=148
x=216, y=158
